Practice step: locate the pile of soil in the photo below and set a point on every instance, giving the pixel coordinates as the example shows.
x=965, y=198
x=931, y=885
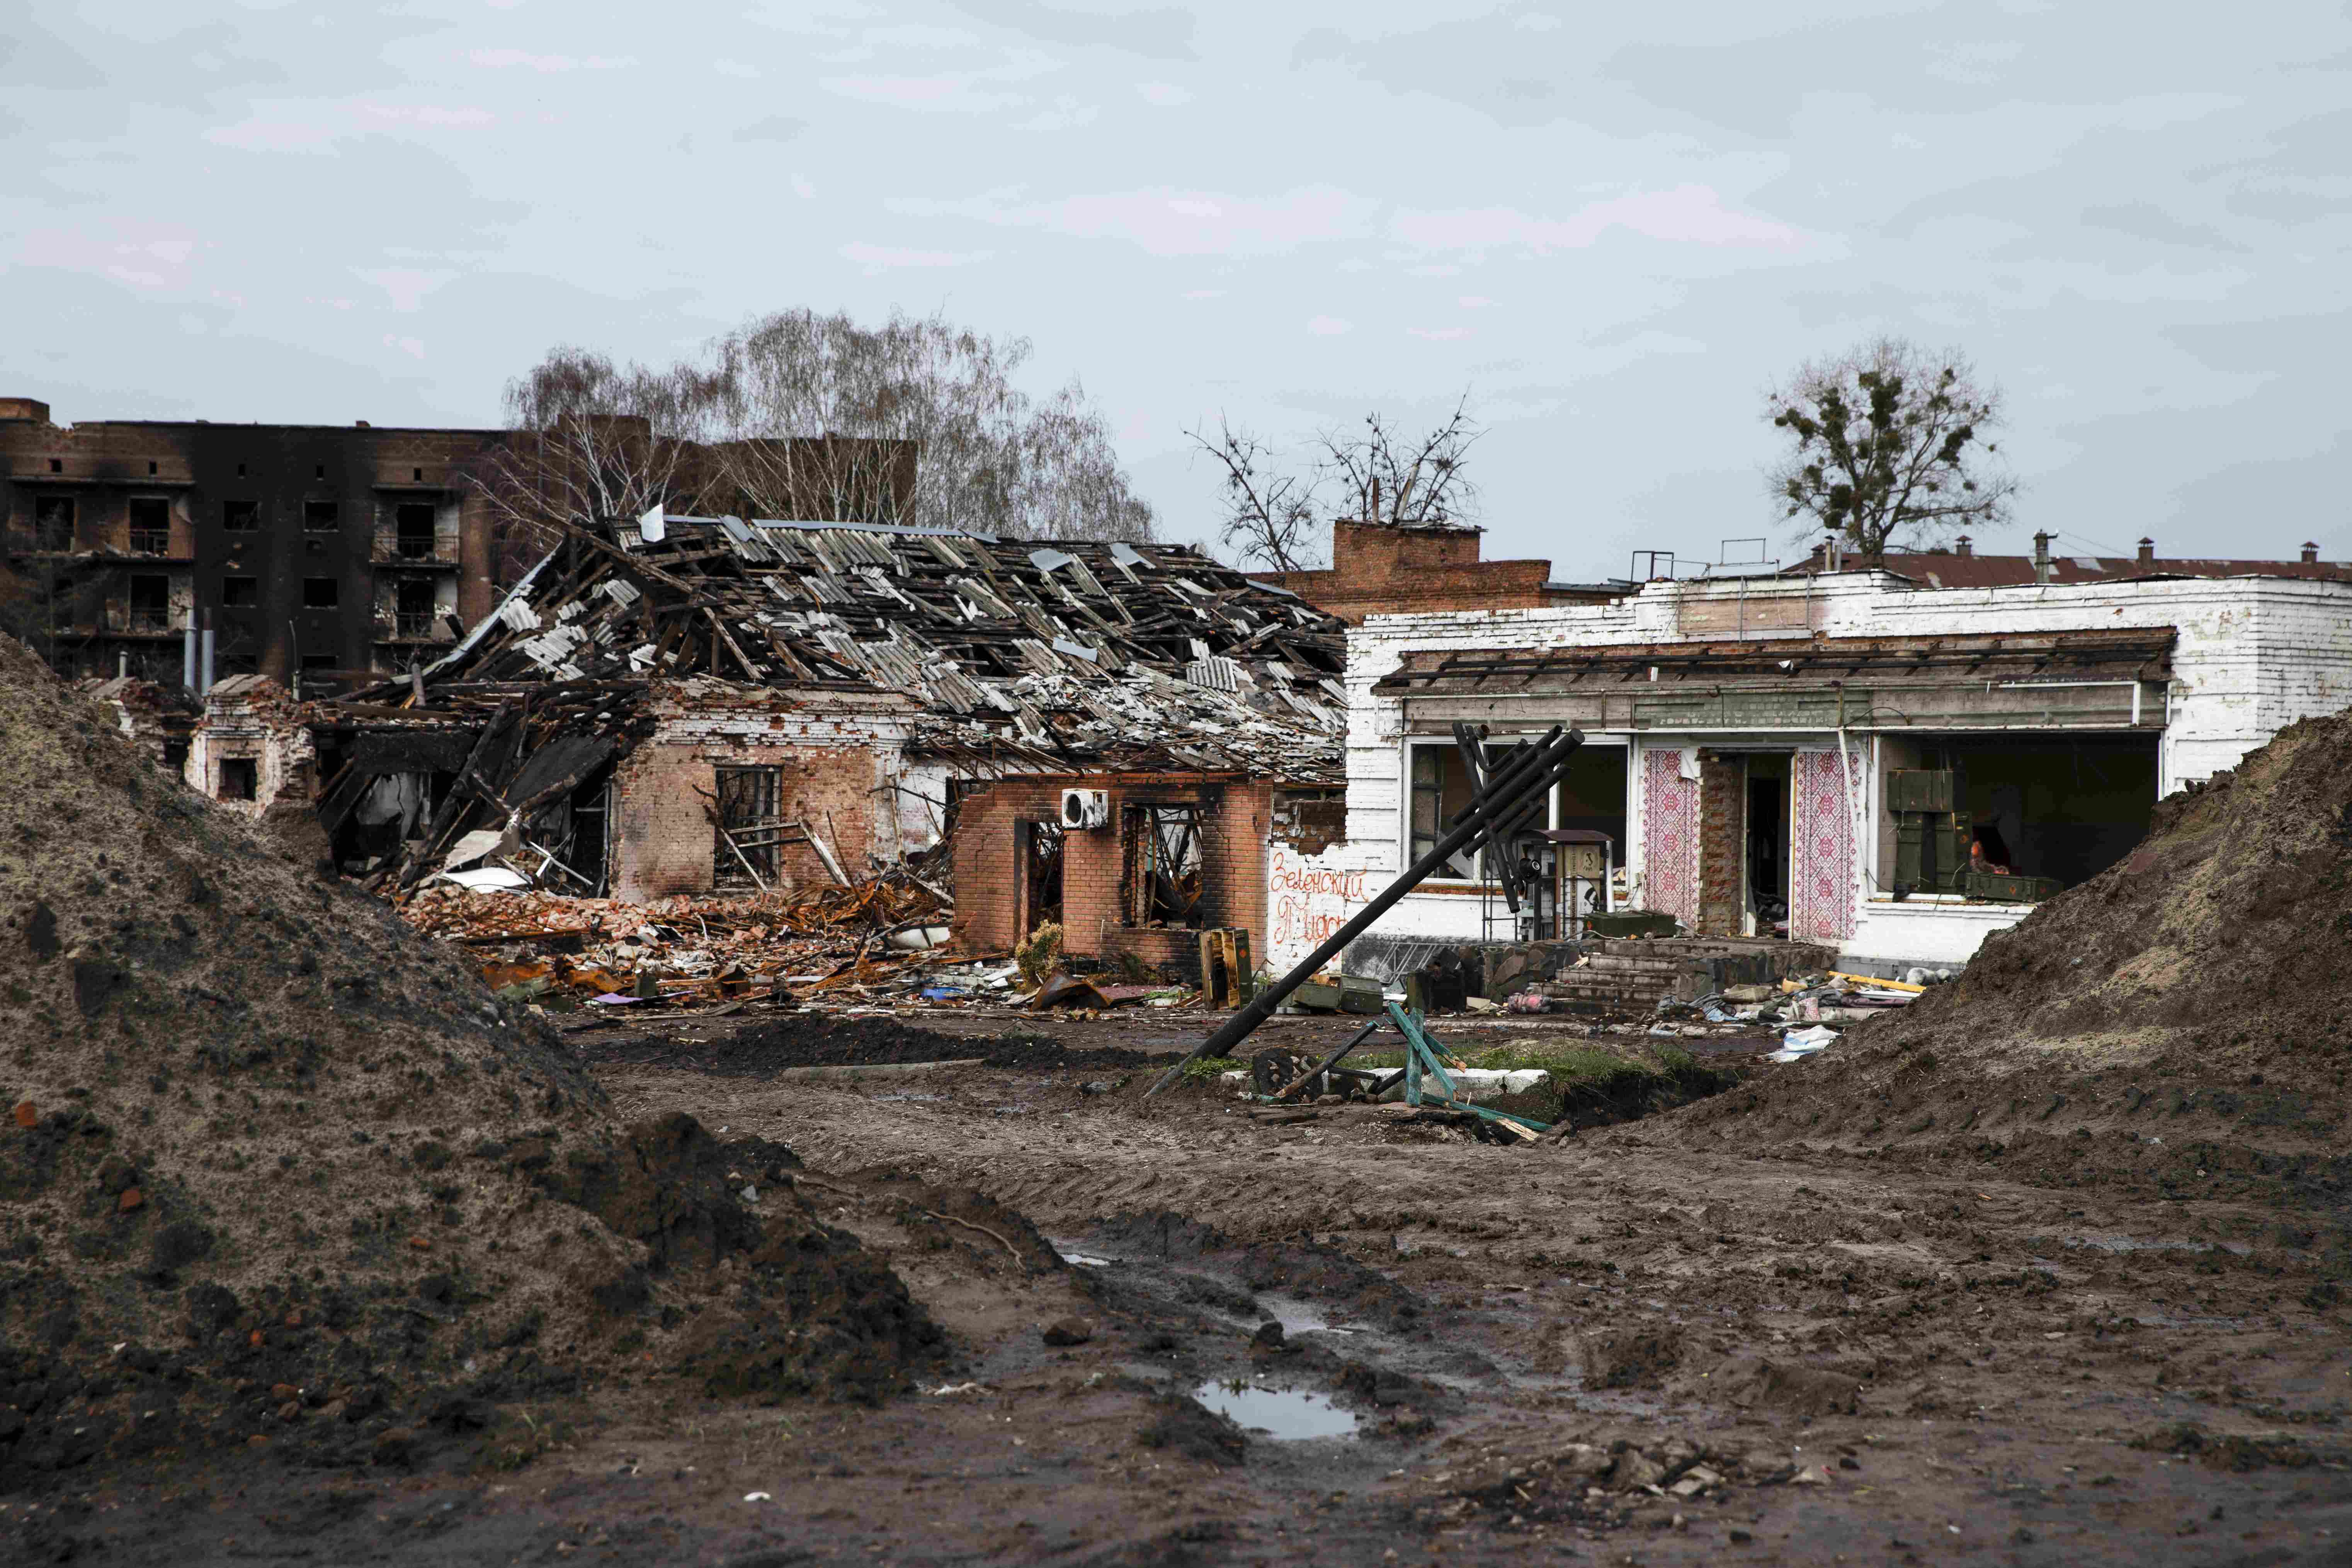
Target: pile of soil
x=2182, y=1023
x=809, y=1039
x=275, y=1171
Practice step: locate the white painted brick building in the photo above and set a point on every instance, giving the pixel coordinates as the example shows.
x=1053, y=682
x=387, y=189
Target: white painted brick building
x=1722, y=717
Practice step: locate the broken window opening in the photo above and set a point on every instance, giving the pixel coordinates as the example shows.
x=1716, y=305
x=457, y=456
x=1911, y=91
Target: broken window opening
x=320, y=516
x=2014, y=820
x=240, y=778
x=53, y=522
x=321, y=592
x=240, y=515
x=1165, y=879
x=151, y=526
x=749, y=827
x=413, y=609
x=413, y=530
x=1038, y=847
x=151, y=604
x=564, y=845
x=240, y=593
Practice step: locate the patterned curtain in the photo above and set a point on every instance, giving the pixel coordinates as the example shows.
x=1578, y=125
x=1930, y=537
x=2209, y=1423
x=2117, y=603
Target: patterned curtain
x=1820, y=869
x=1670, y=836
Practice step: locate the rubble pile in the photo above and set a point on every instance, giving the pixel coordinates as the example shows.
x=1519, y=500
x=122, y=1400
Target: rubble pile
x=2182, y=1022
x=277, y=1171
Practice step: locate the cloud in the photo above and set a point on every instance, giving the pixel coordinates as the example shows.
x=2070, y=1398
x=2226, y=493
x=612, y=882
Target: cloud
x=774, y=127
x=1474, y=301
x=463, y=116
x=140, y=254
x=1687, y=215
x=1328, y=326
x=1167, y=95
x=736, y=68
x=258, y=135
x=804, y=187
x=1176, y=222
x=405, y=287
x=1067, y=114
x=1202, y=294
x=883, y=259
x=413, y=347
x=956, y=93
x=1442, y=334
x=504, y=60
x=1155, y=32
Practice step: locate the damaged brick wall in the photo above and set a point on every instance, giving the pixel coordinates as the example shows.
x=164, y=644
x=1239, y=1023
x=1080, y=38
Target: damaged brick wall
x=1381, y=570
x=666, y=840
x=1235, y=819
x=838, y=762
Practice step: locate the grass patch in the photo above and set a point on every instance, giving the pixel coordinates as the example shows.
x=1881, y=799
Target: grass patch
x=1210, y=1067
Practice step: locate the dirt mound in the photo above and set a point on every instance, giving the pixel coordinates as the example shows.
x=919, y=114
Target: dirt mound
x=275, y=1170
x=816, y=1040
x=2182, y=1022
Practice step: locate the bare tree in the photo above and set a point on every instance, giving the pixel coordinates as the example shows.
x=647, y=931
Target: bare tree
x=808, y=417
x=1401, y=481
x=1376, y=475
x=589, y=441
x=1889, y=447
x=1270, y=516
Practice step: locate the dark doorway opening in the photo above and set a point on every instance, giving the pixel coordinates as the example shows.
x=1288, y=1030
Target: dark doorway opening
x=1767, y=842
x=1037, y=848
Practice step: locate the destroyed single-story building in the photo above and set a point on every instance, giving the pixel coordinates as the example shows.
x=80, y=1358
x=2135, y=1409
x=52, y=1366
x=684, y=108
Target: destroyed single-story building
x=1111, y=737
x=1853, y=759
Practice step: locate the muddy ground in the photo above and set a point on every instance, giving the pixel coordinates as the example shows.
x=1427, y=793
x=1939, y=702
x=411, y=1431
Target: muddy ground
x=1614, y=1350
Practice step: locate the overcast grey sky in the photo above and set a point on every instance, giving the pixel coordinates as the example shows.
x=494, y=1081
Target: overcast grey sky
x=1614, y=225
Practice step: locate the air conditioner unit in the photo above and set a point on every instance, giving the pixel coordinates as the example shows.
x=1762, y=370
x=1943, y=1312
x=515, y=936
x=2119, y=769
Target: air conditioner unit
x=1086, y=808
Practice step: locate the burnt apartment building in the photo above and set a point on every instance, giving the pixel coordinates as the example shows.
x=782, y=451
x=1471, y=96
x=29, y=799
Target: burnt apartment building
x=320, y=551
x=314, y=548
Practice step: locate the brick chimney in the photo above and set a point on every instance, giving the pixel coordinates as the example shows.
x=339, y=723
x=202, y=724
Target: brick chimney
x=2147, y=550
x=2041, y=558
x=2310, y=552
x=1963, y=545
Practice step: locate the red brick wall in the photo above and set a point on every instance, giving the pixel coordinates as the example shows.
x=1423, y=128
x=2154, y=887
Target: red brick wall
x=1376, y=568
x=1722, y=843
x=1234, y=821
x=663, y=827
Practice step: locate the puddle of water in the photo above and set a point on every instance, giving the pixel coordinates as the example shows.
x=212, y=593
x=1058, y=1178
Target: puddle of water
x=1286, y=1412
x=1296, y=1317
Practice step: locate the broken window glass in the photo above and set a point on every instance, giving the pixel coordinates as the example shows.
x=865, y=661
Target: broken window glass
x=240, y=515
x=320, y=516
x=1441, y=789
x=1164, y=858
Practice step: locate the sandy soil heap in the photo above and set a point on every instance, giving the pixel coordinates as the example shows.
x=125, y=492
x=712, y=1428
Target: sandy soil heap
x=2182, y=1022
x=272, y=1166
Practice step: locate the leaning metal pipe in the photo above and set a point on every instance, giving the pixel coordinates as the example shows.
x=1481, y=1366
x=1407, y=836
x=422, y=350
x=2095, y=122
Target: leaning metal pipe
x=1540, y=769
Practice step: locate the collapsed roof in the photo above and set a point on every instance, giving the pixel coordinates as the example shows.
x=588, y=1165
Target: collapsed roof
x=1068, y=655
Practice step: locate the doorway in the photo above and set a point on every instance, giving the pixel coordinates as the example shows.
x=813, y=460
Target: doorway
x=1037, y=856
x=1767, y=818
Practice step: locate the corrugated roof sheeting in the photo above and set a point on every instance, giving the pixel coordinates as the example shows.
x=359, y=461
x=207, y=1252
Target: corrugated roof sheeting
x=1052, y=654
